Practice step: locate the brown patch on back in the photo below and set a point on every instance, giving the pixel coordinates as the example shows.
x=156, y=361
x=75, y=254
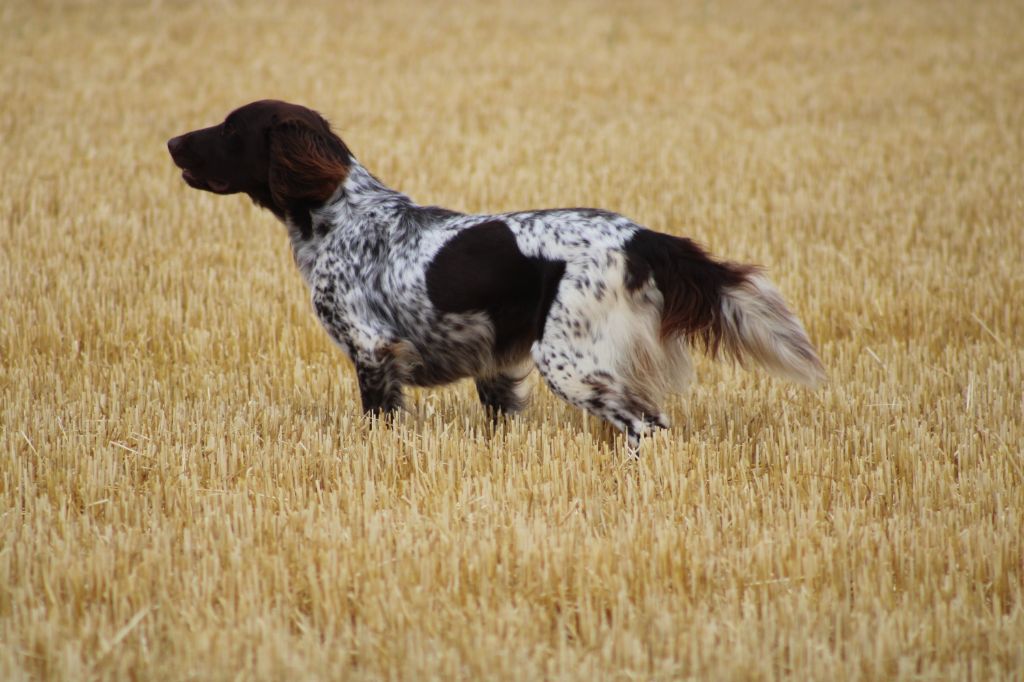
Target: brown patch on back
x=483, y=269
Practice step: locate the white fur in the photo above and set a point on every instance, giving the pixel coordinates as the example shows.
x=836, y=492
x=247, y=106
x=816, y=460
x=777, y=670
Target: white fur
x=757, y=324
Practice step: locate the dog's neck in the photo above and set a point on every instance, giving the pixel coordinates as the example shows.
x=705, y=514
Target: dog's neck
x=361, y=203
x=363, y=193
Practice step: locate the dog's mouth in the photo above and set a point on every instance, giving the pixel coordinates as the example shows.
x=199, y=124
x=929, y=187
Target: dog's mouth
x=208, y=184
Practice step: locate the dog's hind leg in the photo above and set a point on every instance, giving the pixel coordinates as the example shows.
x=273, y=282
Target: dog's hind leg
x=612, y=399
x=588, y=363
x=602, y=394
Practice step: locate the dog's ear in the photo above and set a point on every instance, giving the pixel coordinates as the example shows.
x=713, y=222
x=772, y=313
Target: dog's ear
x=307, y=163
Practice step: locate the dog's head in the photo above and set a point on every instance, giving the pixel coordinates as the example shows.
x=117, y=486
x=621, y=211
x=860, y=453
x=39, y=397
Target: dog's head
x=282, y=155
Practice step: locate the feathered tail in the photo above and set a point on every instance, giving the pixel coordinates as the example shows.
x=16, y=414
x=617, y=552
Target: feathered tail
x=755, y=323
x=723, y=306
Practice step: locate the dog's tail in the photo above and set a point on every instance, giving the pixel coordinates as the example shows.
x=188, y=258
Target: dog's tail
x=722, y=306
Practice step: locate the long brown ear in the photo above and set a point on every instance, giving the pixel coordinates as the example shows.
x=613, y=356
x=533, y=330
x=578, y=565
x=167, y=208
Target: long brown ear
x=306, y=165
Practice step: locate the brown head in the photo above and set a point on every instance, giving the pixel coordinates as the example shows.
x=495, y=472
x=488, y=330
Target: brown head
x=282, y=155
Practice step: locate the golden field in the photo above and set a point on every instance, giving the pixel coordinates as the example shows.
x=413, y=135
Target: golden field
x=188, y=490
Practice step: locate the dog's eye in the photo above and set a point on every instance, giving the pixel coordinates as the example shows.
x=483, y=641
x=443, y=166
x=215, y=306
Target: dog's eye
x=228, y=128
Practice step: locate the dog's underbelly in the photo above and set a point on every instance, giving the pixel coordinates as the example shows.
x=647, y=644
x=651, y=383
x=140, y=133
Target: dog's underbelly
x=452, y=347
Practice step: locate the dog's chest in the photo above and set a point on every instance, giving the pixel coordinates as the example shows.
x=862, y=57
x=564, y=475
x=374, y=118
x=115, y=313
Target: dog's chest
x=357, y=282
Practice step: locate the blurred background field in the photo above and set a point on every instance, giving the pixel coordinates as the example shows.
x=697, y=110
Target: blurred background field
x=187, y=490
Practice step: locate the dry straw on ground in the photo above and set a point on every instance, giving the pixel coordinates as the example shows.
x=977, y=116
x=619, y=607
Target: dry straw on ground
x=187, y=490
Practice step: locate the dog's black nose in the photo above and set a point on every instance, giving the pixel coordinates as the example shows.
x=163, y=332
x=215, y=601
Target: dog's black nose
x=174, y=144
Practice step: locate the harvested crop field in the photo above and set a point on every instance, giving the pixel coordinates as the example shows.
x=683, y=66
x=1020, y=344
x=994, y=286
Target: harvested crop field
x=188, y=489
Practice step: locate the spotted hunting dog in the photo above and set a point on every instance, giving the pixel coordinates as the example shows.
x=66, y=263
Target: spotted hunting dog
x=419, y=295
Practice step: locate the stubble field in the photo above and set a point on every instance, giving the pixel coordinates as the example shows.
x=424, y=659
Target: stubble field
x=188, y=490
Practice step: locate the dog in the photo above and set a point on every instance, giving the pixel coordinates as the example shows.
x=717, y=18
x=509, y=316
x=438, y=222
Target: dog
x=605, y=309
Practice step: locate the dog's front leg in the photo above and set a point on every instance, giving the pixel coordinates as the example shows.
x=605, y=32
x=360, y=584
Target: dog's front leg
x=382, y=364
x=382, y=370
x=380, y=386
